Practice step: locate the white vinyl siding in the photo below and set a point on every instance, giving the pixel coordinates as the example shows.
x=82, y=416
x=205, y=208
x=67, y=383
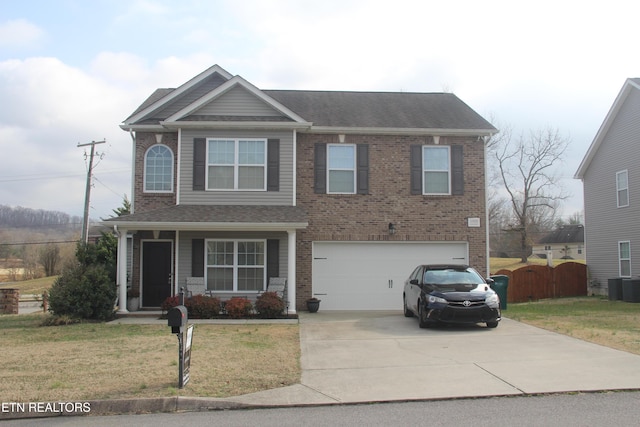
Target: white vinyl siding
x=436, y=170
x=606, y=224
x=284, y=196
x=622, y=188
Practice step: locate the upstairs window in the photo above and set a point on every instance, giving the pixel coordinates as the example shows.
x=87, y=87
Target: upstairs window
x=158, y=169
x=622, y=187
x=436, y=170
x=341, y=169
x=237, y=164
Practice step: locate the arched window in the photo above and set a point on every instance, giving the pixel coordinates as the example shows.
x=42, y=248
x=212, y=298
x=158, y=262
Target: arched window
x=158, y=169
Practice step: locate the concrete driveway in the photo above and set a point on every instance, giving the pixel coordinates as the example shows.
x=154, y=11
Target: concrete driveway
x=383, y=356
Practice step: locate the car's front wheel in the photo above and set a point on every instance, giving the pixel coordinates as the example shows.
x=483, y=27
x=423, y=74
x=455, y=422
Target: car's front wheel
x=422, y=317
x=492, y=324
x=407, y=312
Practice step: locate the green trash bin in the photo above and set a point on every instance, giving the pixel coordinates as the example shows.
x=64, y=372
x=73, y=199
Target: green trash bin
x=500, y=285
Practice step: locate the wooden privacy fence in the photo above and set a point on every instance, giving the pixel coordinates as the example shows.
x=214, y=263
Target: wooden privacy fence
x=534, y=282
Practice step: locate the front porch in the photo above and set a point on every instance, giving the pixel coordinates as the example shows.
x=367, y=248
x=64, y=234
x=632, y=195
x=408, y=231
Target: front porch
x=231, y=255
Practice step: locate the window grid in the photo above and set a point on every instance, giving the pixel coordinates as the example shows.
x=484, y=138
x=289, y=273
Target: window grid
x=158, y=170
x=237, y=164
x=236, y=265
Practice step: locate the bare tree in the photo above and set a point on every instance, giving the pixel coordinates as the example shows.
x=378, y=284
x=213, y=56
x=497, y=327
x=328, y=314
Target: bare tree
x=528, y=170
x=49, y=258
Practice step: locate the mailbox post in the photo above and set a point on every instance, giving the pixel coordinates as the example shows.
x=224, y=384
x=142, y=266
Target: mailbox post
x=177, y=319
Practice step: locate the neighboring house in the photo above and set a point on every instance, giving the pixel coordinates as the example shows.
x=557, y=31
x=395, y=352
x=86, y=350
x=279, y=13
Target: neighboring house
x=341, y=193
x=566, y=242
x=610, y=172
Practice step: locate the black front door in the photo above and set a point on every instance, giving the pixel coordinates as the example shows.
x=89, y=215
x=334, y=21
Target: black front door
x=156, y=273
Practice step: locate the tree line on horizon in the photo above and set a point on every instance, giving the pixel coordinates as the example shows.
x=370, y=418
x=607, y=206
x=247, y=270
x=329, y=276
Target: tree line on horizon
x=20, y=217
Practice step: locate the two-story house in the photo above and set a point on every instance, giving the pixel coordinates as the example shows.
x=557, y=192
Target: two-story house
x=609, y=172
x=341, y=193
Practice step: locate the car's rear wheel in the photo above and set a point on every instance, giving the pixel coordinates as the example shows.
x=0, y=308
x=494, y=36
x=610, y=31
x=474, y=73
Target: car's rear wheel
x=407, y=312
x=422, y=317
x=492, y=324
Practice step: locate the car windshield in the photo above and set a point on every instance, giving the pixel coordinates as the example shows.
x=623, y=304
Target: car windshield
x=453, y=278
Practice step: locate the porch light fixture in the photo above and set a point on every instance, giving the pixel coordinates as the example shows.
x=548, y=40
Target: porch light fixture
x=392, y=228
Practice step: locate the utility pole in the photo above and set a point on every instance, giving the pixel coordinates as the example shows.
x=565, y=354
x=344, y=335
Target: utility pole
x=87, y=193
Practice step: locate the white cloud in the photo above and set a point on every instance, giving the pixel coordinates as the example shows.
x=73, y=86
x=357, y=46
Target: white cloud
x=47, y=109
x=20, y=33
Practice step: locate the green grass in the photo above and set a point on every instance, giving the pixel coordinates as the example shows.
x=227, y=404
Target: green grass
x=614, y=324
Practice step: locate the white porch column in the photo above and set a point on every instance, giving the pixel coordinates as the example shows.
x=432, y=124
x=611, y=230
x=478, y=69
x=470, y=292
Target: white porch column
x=121, y=279
x=291, y=272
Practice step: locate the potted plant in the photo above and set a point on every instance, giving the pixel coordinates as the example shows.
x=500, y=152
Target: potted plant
x=133, y=299
x=313, y=304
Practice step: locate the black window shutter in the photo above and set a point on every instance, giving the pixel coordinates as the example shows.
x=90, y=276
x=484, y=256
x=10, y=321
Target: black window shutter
x=457, y=170
x=363, y=168
x=416, y=169
x=273, y=258
x=199, y=163
x=273, y=165
x=197, y=258
x=320, y=169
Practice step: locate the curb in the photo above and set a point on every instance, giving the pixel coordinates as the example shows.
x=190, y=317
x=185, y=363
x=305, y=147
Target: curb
x=121, y=407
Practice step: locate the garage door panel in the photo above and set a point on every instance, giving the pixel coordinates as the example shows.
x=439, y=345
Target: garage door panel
x=370, y=276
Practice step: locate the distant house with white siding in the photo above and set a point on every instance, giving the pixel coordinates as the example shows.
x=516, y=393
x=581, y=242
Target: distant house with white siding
x=565, y=242
x=610, y=172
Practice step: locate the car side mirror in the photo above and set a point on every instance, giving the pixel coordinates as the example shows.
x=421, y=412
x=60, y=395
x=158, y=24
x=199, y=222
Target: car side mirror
x=413, y=281
x=490, y=281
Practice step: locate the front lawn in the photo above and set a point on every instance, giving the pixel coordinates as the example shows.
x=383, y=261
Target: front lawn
x=614, y=324
x=108, y=361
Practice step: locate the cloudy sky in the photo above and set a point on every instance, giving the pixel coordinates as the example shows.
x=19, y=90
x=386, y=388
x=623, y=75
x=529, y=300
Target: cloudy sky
x=72, y=70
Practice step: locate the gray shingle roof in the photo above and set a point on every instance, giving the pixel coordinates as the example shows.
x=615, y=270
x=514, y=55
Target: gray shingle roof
x=396, y=110
x=381, y=109
x=565, y=234
x=218, y=214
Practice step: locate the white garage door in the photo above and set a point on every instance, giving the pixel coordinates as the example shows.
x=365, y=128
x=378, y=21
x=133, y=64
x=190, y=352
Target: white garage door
x=370, y=276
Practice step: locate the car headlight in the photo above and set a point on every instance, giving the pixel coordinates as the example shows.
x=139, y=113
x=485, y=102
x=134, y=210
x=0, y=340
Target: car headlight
x=492, y=300
x=437, y=300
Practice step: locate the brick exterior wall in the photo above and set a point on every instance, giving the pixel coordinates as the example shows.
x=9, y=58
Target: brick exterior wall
x=150, y=201
x=357, y=217
x=9, y=301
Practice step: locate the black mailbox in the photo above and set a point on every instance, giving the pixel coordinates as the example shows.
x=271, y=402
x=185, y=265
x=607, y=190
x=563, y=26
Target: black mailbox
x=177, y=319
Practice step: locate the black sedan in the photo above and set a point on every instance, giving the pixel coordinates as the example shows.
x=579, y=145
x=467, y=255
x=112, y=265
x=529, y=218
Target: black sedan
x=450, y=294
